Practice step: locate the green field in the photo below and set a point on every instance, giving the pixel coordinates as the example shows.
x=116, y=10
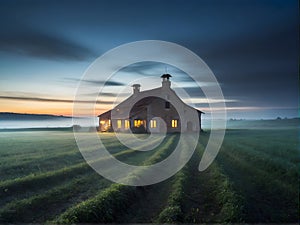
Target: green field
x=43, y=178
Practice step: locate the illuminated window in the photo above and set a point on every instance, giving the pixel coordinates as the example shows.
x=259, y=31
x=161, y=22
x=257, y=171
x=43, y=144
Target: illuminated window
x=174, y=123
x=119, y=123
x=127, y=124
x=138, y=123
x=109, y=123
x=153, y=123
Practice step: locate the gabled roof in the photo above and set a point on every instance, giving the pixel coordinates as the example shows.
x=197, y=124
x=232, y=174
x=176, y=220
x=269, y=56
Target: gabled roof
x=146, y=100
x=138, y=107
x=105, y=114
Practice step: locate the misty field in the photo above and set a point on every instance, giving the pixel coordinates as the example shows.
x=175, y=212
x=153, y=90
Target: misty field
x=43, y=178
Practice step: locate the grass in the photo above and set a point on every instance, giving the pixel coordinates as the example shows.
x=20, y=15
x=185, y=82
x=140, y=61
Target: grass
x=264, y=169
x=104, y=207
x=173, y=212
x=111, y=203
x=201, y=198
x=41, y=207
x=254, y=179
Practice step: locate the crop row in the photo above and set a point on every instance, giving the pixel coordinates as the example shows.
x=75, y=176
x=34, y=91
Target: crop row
x=33, y=183
x=262, y=187
x=37, y=208
x=43, y=162
x=112, y=203
x=201, y=197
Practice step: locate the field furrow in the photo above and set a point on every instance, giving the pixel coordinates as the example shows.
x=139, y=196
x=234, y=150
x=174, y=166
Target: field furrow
x=31, y=184
x=262, y=193
x=44, y=206
x=14, y=168
x=205, y=197
x=267, y=183
x=254, y=179
x=112, y=204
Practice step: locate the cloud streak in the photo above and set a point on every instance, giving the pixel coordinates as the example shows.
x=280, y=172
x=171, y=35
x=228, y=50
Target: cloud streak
x=97, y=82
x=156, y=69
x=39, y=44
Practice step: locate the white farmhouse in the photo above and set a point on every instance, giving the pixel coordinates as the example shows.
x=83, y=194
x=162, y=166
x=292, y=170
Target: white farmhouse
x=153, y=110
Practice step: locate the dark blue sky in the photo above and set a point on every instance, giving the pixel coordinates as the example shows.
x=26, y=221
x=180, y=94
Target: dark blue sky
x=251, y=46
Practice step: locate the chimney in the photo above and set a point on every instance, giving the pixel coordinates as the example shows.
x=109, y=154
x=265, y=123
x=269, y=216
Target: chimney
x=136, y=88
x=166, y=83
